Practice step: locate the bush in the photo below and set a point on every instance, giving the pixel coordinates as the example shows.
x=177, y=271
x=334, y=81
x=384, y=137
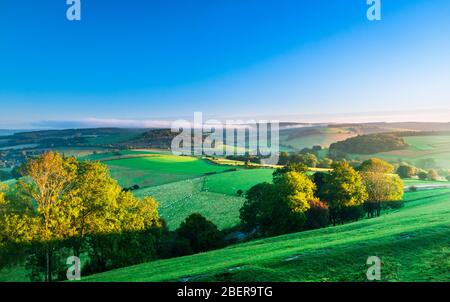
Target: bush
x=172, y=246
x=422, y=175
x=202, y=234
x=433, y=175
x=351, y=213
x=318, y=215
x=405, y=171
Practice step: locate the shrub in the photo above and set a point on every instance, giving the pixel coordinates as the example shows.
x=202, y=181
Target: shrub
x=202, y=234
x=423, y=175
x=433, y=175
x=405, y=171
x=318, y=215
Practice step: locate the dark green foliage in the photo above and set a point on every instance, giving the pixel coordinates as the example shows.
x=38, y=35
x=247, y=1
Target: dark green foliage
x=422, y=175
x=110, y=251
x=406, y=171
x=369, y=144
x=291, y=167
x=202, y=234
x=318, y=215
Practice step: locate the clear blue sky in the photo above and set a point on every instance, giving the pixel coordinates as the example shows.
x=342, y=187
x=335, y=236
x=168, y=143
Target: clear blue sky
x=158, y=59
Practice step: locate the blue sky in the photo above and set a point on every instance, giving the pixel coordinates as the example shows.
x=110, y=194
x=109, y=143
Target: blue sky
x=301, y=60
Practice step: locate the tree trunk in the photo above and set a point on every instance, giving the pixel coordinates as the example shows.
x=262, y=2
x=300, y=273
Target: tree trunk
x=48, y=255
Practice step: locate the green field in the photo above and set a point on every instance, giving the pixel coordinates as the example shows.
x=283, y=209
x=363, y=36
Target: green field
x=436, y=147
x=212, y=196
x=158, y=169
x=413, y=243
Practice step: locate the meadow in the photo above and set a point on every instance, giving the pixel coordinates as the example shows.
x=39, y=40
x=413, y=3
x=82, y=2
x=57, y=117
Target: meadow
x=435, y=147
x=157, y=169
x=213, y=196
x=413, y=243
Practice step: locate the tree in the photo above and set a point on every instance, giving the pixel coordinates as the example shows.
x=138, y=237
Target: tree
x=381, y=188
x=376, y=165
x=278, y=208
x=422, y=175
x=325, y=163
x=292, y=167
x=297, y=189
x=318, y=215
x=135, y=232
x=344, y=187
x=283, y=159
x=433, y=175
x=448, y=178
x=252, y=212
x=309, y=159
x=48, y=178
x=90, y=203
x=239, y=192
x=406, y=171
x=202, y=234
x=64, y=203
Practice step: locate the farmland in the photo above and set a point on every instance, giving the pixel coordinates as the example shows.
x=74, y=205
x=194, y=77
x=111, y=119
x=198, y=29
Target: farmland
x=413, y=243
x=436, y=147
x=158, y=169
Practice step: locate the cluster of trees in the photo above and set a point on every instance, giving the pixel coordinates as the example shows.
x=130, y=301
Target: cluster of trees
x=62, y=207
x=296, y=201
x=409, y=171
x=306, y=157
x=368, y=144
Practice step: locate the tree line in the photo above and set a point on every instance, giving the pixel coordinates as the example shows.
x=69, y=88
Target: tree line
x=296, y=201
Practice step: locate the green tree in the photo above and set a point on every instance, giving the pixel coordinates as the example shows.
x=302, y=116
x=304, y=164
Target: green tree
x=90, y=203
x=376, y=165
x=406, y=171
x=381, y=188
x=343, y=187
x=278, y=208
x=422, y=175
x=292, y=167
x=202, y=234
x=433, y=175
x=48, y=178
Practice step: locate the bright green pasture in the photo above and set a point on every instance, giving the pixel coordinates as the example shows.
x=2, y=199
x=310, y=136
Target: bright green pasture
x=413, y=243
x=180, y=199
x=230, y=183
x=159, y=169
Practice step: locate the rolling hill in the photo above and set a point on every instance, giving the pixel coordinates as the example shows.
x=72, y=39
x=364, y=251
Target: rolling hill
x=413, y=243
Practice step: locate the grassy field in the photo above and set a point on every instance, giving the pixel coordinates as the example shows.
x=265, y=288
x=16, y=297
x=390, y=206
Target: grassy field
x=413, y=243
x=436, y=147
x=325, y=137
x=158, y=169
x=180, y=199
x=213, y=196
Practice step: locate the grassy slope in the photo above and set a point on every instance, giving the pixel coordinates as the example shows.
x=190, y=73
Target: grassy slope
x=413, y=243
